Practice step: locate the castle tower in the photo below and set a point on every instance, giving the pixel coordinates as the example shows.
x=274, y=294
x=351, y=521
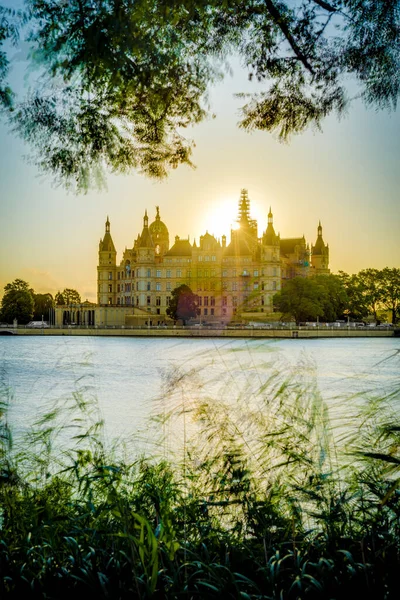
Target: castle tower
x=247, y=232
x=106, y=269
x=145, y=243
x=159, y=234
x=320, y=254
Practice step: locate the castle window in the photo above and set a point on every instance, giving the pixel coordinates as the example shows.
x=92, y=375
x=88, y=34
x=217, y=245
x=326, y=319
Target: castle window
x=148, y=286
x=137, y=300
x=262, y=301
x=168, y=300
x=118, y=300
x=188, y=273
x=234, y=286
x=205, y=300
x=118, y=288
x=224, y=301
x=109, y=256
x=200, y=273
x=212, y=272
x=158, y=300
x=274, y=285
x=255, y=286
x=206, y=258
x=234, y=301
x=206, y=273
x=158, y=273
x=213, y=258
x=168, y=288
x=200, y=301
x=255, y=273
x=205, y=312
x=212, y=300
x=200, y=258
x=179, y=273
x=110, y=275
x=212, y=286
x=110, y=288
x=168, y=273
x=148, y=272
x=274, y=271
x=148, y=300
x=212, y=312
x=119, y=275
x=158, y=287
x=224, y=311
x=234, y=273
x=224, y=273
x=110, y=301
x=263, y=285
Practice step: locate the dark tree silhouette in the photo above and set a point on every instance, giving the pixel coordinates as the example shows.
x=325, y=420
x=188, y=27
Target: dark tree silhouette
x=125, y=77
x=183, y=304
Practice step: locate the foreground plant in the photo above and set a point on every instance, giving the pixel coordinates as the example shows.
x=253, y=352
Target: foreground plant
x=259, y=507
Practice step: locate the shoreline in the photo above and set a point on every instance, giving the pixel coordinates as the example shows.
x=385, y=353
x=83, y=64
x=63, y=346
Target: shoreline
x=295, y=333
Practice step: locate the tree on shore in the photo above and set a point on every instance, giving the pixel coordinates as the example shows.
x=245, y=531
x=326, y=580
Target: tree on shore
x=183, y=304
x=67, y=296
x=390, y=291
x=122, y=80
x=17, y=302
x=302, y=299
x=43, y=304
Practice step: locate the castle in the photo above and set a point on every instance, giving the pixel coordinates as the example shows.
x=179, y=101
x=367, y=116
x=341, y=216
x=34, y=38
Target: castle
x=228, y=278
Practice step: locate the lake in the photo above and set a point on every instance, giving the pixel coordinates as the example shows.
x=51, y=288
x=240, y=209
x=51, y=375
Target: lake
x=134, y=383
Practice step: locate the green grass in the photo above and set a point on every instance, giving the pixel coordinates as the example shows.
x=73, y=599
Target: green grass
x=260, y=505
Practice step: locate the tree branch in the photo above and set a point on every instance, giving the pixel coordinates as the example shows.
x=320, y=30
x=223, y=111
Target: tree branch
x=280, y=21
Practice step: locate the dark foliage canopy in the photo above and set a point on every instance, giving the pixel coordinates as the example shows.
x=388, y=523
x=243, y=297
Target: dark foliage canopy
x=122, y=79
x=183, y=304
x=17, y=302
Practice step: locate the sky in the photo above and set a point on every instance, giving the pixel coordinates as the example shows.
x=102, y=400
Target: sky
x=348, y=177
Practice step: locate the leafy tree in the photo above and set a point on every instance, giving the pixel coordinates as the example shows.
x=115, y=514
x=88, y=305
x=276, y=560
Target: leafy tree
x=17, y=302
x=301, y=298
x=390, y=291
x=183, y=304
x=68, y=296
x=59, y=299
x=336, y=300
x=124, y=78
x=368, y=286
x=43, y=304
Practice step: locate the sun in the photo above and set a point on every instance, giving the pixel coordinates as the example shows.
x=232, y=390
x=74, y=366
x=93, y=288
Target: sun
x=221, y=217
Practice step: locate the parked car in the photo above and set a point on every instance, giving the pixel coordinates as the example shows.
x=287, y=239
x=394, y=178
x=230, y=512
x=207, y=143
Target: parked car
x=38, y=325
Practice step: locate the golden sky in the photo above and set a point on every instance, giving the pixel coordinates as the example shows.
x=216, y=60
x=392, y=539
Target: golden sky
x=348, y=177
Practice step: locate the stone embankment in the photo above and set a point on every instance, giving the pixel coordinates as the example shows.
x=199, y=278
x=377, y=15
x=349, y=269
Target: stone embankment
x=224, y=332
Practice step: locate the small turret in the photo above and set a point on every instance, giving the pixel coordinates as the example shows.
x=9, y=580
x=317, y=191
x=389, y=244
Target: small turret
x=106, y=270
x=320, y=253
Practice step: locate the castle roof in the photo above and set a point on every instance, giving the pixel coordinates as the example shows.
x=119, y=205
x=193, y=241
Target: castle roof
x=288, y=245
x=180, y=248
x=107, y=244
x=146, y=241
x=238, y=247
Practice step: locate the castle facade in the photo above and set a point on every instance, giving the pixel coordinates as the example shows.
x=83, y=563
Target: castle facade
x=229, y=278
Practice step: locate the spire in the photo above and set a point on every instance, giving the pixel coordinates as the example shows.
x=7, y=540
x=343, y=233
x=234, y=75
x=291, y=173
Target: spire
x=244, y=208
x=319, y=229
x=145, y=219
x=157, y=213
x=269, y=238
x=108, y=225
